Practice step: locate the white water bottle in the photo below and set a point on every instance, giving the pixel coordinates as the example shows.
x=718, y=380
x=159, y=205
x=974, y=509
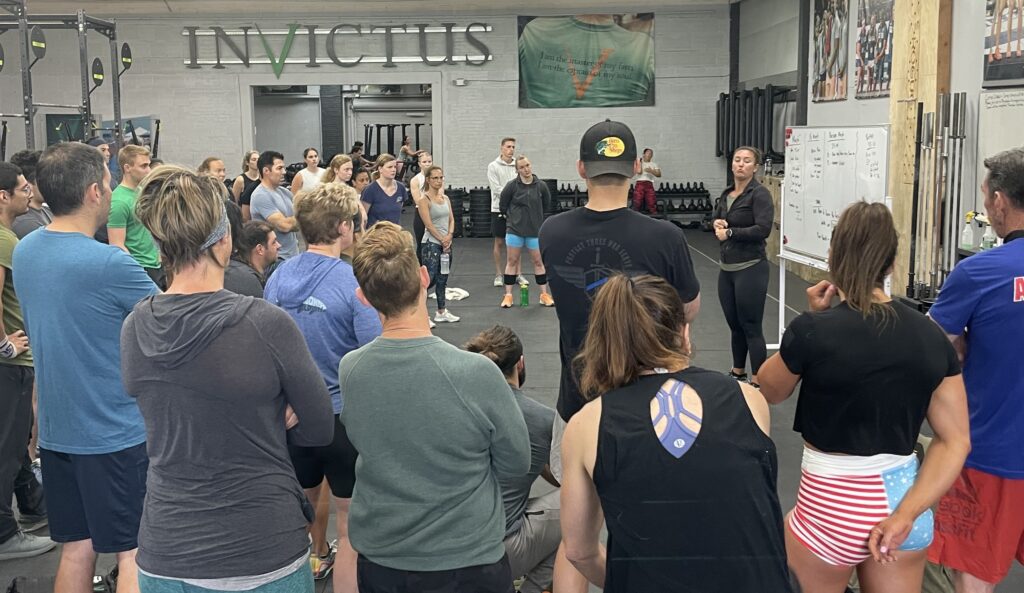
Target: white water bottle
x=446, y=261
x=967, y=237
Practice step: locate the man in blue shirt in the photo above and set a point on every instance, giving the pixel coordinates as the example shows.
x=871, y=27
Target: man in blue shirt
x=318, y=290
x=75, y=293
x=979, y=526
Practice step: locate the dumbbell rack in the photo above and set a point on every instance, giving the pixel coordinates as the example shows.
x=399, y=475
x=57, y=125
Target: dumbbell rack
x=685, y=204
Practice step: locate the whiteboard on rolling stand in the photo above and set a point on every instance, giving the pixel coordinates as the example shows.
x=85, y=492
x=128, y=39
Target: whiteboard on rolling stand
x=827, y=169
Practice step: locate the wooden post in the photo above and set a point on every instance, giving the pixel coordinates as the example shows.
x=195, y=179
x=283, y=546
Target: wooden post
x=920, y=72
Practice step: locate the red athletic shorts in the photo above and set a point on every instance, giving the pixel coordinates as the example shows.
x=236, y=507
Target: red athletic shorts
x=979, y=525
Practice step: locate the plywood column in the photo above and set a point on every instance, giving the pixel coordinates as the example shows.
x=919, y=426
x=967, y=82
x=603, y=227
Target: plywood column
x=920, y=72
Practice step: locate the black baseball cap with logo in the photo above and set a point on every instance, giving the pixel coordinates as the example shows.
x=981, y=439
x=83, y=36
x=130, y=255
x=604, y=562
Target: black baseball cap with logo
x=608, y=148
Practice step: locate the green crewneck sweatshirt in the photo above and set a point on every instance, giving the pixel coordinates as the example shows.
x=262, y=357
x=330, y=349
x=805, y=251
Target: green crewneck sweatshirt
x=435, y=427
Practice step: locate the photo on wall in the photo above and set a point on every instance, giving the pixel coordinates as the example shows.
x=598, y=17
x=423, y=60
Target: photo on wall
x=1004, y=36
x=874, y=48
x=829, y=71
x=592, y=60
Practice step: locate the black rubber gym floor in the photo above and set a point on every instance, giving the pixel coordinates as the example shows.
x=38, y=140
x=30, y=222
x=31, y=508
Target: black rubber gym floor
x=473, y=270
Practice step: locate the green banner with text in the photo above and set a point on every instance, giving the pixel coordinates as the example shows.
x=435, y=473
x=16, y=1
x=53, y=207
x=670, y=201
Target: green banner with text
x=591, y=60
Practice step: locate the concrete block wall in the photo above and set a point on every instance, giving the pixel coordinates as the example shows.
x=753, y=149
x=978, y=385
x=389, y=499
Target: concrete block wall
x=209, y=111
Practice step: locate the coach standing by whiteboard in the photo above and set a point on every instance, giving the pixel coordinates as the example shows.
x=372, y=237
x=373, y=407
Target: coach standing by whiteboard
x=743, y=221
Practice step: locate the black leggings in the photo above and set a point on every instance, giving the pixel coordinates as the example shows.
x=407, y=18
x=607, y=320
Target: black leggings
x=418, y=228
x=742, y=295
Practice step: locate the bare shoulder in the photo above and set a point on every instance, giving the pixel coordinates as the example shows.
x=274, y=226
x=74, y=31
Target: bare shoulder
x=585, y=422
x=758, y=406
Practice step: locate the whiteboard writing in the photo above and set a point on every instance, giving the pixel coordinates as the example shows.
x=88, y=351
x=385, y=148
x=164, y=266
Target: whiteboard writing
x=827, y=169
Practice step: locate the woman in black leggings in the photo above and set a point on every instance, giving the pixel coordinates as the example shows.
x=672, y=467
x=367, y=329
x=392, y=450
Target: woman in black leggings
x=743, y=221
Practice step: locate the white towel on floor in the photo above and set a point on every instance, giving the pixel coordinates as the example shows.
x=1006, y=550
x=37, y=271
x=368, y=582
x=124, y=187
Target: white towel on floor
x=450, y=294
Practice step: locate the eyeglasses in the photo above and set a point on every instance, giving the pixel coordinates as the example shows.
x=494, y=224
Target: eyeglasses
x=26, y=189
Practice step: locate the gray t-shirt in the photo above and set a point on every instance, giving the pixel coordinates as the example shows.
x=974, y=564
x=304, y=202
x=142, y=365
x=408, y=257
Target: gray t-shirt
x=32, y=220
x=515, y=492
x=241, y=278
x=265, y=203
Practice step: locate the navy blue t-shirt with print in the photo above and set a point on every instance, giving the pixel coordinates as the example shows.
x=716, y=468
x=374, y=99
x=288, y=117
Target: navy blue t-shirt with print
x=381, y=206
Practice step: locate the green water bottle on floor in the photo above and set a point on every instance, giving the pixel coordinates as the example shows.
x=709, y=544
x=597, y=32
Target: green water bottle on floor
x=524, y=295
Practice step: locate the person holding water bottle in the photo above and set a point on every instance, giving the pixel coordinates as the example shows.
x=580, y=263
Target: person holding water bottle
x=436, y=247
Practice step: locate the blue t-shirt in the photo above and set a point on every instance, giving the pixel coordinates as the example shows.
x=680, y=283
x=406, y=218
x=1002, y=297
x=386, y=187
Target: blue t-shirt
x=985, y=295
x=319, y=293
x=382, y=206
x=75, y=293
x=264, y=203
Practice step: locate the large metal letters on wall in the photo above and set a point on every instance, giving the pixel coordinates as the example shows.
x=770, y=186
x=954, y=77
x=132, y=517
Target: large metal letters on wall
x=344, y=45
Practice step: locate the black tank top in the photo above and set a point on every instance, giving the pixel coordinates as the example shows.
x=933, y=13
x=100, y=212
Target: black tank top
x=706, y=522
x=245, y=197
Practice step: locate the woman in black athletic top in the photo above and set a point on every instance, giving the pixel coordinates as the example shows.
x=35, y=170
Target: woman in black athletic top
x=871, y=369
x=247, y=181
x=743, y=220
x=677, y=457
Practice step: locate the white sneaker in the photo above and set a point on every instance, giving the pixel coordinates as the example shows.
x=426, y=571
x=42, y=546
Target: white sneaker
x=446, y=316
x=432, y=296
x=520, y=280
x=23, y=545
x=499, y=281
x=432, y=324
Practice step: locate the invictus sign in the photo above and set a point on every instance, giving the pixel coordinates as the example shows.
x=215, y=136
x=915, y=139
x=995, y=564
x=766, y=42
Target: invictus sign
x=344, y=45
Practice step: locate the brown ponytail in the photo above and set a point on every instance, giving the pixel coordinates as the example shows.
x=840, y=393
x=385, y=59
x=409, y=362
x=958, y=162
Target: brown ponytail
x=634, y=326
x=862, y=253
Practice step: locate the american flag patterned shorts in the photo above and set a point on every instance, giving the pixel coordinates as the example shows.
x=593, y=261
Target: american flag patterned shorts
x=841, y=497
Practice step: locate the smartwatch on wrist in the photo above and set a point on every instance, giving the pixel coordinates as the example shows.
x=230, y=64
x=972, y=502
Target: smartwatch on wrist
x=728, y=233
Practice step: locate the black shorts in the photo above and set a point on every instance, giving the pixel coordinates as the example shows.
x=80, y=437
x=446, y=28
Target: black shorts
x=97, y=497
x=487, y=578
x=498, y=226
x=336, y=462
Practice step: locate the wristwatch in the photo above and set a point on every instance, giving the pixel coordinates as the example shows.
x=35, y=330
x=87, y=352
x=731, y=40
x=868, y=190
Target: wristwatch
x=728, y=233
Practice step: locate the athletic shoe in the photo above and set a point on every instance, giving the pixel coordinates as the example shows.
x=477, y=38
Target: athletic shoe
x=499, y=281
x=30, y=523
x=520, y=280
x=742, y=377
x=23, y=545
x=446, y=316
x=547, y=300
x=506, y=302
x=432, y=324
x=322, y=565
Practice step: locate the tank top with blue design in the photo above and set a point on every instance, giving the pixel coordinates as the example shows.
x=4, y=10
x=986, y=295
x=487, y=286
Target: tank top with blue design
x=687, y=482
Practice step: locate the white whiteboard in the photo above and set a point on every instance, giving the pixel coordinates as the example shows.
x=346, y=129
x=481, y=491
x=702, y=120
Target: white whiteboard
x=827, y=169
x=1000, y=116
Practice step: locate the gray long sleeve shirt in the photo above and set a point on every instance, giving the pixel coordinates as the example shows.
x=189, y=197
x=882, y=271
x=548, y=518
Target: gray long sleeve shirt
x=212, y=374
x=524, y=204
